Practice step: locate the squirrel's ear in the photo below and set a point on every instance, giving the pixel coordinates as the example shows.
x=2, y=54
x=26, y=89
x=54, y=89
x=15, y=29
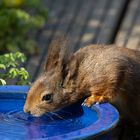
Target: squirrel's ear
x=58, y=54
x=73, y=66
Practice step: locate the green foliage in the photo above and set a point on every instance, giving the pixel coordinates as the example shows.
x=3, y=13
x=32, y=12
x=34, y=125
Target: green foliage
x=19, y=21
x=10, y=68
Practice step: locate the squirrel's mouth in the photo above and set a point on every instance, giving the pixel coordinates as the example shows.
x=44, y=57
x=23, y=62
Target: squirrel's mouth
x=37, y=115
x=37, y=112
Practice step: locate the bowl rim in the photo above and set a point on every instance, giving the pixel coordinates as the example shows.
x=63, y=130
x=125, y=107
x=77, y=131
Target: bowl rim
x=103, y=125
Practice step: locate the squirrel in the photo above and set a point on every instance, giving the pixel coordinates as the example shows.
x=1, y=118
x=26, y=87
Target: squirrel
x=98, y=73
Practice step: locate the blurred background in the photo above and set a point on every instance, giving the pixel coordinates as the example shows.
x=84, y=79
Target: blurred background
x=27, y=27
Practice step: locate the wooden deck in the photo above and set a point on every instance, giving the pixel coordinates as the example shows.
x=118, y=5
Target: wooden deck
x=86, y=22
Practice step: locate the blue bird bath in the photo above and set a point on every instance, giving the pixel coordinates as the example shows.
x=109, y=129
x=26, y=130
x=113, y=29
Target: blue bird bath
x=73, y=122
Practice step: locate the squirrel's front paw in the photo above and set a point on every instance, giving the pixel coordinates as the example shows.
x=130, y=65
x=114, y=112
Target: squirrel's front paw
x=89, y=101
x=92, y=99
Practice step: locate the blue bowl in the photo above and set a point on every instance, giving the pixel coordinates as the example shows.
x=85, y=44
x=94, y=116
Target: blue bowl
x=73, y=122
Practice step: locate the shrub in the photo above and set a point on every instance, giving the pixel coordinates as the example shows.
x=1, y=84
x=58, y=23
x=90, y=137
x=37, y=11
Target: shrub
x=10, y=68
x=19, y=21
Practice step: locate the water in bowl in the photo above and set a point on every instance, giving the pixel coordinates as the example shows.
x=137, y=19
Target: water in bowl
x=15, y=124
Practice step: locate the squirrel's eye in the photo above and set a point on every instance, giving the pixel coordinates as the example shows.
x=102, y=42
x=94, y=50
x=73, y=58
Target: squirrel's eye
x=47, y=97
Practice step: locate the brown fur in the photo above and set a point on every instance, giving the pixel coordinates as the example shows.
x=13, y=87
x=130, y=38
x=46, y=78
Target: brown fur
x=100, y=73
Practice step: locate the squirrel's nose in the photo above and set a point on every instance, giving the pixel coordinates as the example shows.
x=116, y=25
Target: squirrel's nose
x=27, y=110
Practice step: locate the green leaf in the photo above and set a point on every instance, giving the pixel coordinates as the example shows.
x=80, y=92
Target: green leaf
x=2, y=66
x=2, y=82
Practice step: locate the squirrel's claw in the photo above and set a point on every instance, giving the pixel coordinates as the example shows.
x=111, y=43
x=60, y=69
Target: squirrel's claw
x=85, y=104
x=88, y=102
x=93, y=100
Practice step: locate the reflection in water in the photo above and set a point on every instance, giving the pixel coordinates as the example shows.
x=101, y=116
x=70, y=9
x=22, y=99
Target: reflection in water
x=15, y=123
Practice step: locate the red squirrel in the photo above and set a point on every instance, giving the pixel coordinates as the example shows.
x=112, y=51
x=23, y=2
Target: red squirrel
x=99, y=73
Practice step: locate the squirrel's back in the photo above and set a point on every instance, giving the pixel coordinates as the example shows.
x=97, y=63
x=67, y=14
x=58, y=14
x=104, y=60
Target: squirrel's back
x=114, y=73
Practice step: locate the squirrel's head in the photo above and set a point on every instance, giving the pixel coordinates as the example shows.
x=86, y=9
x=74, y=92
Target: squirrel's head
x=54, y=89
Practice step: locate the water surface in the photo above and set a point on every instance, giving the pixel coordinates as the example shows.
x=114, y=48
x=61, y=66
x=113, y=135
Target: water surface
x=16, y=125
